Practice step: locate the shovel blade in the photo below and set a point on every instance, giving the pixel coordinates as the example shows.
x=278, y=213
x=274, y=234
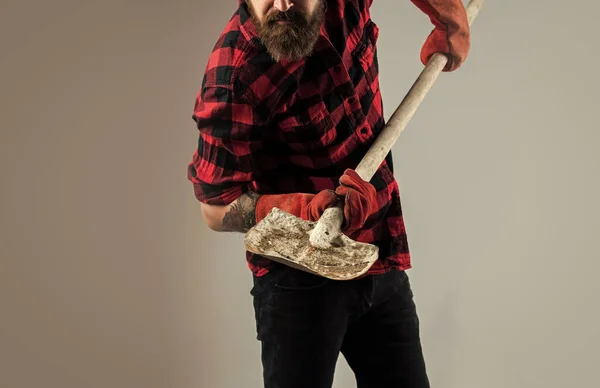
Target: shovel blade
x=285, y=238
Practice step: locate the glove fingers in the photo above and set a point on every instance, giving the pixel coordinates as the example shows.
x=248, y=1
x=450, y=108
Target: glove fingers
x=321, y=201
x=352, y=181
x=351, y=178
x=356, y=210
x=359, y=197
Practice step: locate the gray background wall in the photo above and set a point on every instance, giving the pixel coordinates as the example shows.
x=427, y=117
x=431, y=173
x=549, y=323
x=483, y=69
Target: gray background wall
x=110, y=279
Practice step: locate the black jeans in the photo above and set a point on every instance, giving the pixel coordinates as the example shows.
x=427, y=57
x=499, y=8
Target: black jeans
x=304, y=321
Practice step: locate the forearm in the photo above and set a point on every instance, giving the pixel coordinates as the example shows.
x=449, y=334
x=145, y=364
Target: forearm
x=238, y=216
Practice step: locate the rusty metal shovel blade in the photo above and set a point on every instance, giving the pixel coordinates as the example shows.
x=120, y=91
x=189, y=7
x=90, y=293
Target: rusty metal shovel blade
x=320, y=247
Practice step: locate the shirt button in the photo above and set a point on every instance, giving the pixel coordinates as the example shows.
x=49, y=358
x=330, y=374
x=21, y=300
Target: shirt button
x=364, y=134
x=352, y=100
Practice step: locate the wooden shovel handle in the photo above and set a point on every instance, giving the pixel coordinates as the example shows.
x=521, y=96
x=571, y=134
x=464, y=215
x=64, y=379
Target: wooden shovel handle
x=328, y=227
x=407, y=108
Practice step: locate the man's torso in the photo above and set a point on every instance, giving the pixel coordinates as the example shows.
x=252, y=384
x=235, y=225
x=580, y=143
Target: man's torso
x=321, y=115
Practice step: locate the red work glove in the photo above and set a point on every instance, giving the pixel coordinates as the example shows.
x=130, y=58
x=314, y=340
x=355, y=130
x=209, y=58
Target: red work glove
x=359, y=200
x=451, y=35
x=309, y=207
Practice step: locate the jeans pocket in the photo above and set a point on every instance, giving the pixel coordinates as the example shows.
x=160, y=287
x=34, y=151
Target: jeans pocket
x=298, y=280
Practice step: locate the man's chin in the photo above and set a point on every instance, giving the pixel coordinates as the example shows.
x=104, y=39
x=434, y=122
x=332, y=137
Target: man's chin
x=290, y=52
x=289, y=44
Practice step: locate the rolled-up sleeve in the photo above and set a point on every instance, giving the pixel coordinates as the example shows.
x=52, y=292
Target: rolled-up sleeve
x=229, y=137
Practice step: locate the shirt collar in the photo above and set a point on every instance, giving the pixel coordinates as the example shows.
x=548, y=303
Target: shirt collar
x=247, y=26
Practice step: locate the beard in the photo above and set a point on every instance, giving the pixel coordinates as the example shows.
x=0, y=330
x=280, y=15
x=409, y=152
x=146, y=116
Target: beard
x=291, y=41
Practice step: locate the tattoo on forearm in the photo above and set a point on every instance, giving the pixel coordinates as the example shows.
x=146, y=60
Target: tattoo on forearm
x=242, y=215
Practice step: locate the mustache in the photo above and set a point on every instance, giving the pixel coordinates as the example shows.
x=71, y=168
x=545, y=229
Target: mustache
x=288, y=16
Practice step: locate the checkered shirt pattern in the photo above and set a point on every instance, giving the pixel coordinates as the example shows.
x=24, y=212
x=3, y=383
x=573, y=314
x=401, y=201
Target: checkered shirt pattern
x=282, y=127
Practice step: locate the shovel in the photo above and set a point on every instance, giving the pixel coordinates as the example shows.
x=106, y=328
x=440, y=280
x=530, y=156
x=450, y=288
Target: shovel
x=320, y=247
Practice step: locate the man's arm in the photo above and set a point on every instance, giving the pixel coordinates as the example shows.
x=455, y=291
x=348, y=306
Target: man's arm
x=222, y=166
x=250, y=208
x=239, y=216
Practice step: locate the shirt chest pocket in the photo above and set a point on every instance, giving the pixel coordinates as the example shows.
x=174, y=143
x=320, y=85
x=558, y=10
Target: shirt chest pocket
x=306, y=127
x=365, y=66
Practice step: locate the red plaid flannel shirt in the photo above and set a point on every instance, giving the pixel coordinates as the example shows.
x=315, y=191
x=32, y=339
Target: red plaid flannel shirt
x=296, y=126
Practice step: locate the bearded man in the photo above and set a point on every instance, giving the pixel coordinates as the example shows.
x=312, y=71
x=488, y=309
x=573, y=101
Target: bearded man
x=289, y=104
